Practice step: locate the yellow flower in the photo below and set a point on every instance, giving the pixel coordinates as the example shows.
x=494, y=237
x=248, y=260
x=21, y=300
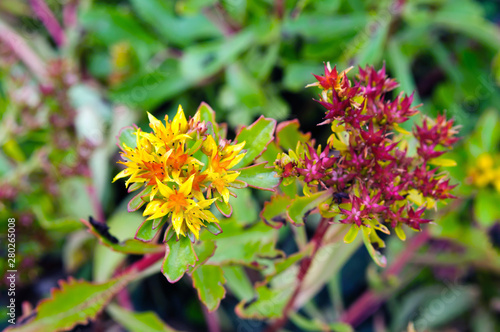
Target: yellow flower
x=185, y=212
x=221, y=181
x=166, y=162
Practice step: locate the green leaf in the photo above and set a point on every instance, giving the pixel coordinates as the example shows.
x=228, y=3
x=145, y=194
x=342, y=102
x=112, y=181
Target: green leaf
x=137, y=201
x=401, y=65
x=179, y=256
x=110, y=25
x=255, y=244
x=377, y=257
x=75, y=302
x=238, y=282
x=137, y=321
x=486, y=135
x=127, y=136
x=351, y=234
x=247, y=91
x=260, y=177
x=245, y=207
x=203, y=250
x=209, y=282
x=179, y=30
x=224, y=208
x=283, y=264
x=147, y=231
x=301, y=206
x=486, y=209
x=373, y=49
x=288, y=134
x=269, y=303
x=274, y=210
x=324, y=27
x=130, y=246
x=477, y=27
x=317, y=325
x=206, y=59
x=257, y=136
x=150, y=88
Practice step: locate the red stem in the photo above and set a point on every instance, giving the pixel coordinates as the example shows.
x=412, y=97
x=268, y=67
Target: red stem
x=43, y=12
x=304, y=268
x=70, y=13
x=212, y=319
x=368, y=303
x=21, y=49
x=143, y=263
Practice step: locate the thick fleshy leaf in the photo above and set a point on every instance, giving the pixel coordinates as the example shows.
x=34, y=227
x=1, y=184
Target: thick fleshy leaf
x=245, y=207
x=214, y=228
x=147, y=232
x=256, y=244
x=127, y=136
x=257, y=136
x=260, y=177
x=351, y=234
x=224, y=208
x=138, y=201
x=376, y=255
x=269, y=303
x=237, y=282
x=274, y=211
x=75, y=302
x=301, y=206
x=270, y=154
x=288, y=134
x=203, y=250
x=137, y=321
x=209, y=282
x=130, y=246
x=285, y=263
x=179, y=256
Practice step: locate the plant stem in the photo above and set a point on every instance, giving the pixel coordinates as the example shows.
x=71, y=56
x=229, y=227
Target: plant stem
x=21, y=49
x=212, y=319
x=368, y=303
x=43, y=12
x=303, y=269
x=144, y=263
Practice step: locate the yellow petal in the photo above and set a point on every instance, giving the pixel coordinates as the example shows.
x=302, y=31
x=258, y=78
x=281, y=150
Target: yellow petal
x=154, y=122
x=187, y=186
x=164, y=189
x=177, y=219
x=122, y=174
x=225, y=194
x=179, y=123
x=210, y=216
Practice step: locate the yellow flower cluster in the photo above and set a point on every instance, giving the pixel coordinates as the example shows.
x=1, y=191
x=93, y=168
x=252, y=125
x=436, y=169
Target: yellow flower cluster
x=183, y=169
x=485, y=173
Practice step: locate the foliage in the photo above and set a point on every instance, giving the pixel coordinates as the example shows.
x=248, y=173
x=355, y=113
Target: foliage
x=76, y=75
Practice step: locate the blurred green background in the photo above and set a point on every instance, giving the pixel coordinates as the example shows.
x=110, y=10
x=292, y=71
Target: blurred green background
x=69, y=81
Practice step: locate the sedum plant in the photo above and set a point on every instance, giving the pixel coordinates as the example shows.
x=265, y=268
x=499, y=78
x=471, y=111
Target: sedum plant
x=377, y=172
